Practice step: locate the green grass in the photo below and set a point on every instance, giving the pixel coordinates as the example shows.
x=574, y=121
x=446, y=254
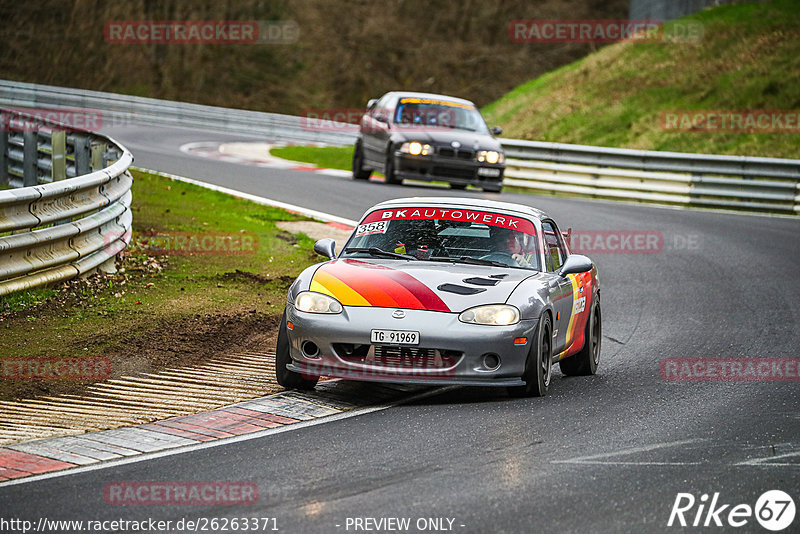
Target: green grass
x=749, y=58
x=330, y=157
x=138, y=315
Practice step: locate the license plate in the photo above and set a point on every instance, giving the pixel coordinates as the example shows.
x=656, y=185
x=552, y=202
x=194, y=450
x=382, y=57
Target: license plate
x=394, y=337
x=483, y=171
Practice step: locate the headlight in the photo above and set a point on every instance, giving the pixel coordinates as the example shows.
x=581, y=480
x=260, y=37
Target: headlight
x=493, y=314
x=415, y=148
x=311, y=302
x=490, y=156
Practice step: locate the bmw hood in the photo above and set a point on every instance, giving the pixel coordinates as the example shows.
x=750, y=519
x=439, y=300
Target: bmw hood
x=419, y=285
x=444, y=137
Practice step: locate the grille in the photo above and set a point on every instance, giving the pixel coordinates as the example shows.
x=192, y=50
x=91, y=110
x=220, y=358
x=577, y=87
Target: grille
x=453, y=153
x=397, y=357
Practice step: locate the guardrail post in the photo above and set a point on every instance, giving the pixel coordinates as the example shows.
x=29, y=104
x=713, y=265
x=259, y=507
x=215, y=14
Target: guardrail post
x=83, y=159
x=58, y=157
x=3, y=155
x=97, y=155
x=30, y=165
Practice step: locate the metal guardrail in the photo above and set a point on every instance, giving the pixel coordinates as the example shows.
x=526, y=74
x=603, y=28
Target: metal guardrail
x=123, y=109
x=732, y=182
x=68, y=211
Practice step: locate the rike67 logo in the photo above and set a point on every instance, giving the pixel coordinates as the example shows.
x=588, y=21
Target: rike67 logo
x=774, y=510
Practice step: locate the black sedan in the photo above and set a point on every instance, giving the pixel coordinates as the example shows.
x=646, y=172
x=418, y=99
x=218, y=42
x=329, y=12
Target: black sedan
x=423, y=136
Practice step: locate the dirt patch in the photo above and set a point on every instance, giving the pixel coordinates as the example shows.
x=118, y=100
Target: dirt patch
x=187, y=341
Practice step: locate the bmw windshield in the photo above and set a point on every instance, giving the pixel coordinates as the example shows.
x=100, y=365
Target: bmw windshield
x=458, y=236
x=417, y=112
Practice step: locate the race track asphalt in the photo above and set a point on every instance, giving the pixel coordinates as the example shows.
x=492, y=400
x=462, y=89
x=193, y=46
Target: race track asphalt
x=608, y=453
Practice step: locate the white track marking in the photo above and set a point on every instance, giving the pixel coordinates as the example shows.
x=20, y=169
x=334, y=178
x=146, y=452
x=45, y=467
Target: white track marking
x=599, y=458
x=770, y=461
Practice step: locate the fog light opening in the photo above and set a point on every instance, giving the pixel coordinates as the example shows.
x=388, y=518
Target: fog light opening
x=310, y=349
x=491, y=361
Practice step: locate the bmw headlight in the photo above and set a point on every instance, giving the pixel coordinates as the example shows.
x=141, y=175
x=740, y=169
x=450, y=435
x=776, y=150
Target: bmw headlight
x=415, y=148
x=311, y=302
x=493, y=314
x=490, y=156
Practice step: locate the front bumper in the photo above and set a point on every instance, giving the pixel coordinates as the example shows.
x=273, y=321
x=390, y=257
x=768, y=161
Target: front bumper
x=451, y=170
x=454, y=351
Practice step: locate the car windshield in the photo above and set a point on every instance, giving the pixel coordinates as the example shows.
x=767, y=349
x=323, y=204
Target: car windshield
x=446, y=235
x=416, y=112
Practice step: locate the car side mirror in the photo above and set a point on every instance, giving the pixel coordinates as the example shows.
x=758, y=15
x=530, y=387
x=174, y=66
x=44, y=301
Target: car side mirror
x=326, y=247
x=372, y=102
x=575, y=263
x=496, y=130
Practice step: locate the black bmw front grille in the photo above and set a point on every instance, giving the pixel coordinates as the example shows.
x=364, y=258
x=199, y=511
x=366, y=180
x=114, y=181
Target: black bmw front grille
x=447, y=152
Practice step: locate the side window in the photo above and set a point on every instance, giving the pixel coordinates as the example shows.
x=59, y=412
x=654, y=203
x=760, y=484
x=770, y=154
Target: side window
x=381, y=110
x=554, y=253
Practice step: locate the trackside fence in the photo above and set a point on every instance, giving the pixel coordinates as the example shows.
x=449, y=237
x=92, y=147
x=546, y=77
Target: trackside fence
x=65, y=199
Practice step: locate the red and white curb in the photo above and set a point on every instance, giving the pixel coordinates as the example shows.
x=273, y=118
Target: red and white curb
x=256, y=154
x=249, y=418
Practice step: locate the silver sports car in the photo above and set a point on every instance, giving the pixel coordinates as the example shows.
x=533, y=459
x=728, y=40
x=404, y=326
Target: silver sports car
x=444, y=291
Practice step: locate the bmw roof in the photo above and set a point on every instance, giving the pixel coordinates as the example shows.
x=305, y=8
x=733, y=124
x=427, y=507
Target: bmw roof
x=412, y=94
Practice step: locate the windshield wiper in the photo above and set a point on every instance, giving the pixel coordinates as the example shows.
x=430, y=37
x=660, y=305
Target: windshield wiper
x=469, y=260
x=375, y=251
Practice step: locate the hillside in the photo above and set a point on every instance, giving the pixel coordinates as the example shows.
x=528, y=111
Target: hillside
x=346, y=52
x=748, y=59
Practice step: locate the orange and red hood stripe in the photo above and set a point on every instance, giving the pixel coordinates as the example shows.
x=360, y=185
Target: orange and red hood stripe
x=361, y=283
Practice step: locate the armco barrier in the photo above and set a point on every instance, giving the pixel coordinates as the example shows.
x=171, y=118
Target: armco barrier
x=121, y=109
x=68, y=211
x=731, y=182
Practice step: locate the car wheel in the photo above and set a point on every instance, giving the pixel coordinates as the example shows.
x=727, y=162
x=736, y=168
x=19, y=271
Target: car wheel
x=359, y=172
x=539, y=365
x=391, y=178
x=286, y=378
x=458, y=186
x=585, y=362
x=492, y=189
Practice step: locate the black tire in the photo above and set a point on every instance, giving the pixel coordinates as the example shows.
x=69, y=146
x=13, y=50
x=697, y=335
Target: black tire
x=388, y=169
x=286, y=378
x=586, y=361
x=539, y=365
x=492, y=189
x=459, y=187
x=359, y=172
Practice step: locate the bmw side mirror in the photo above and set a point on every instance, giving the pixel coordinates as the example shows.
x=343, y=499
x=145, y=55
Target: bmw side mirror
x=575, y=263
x=326, y=247
x=496, y=130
